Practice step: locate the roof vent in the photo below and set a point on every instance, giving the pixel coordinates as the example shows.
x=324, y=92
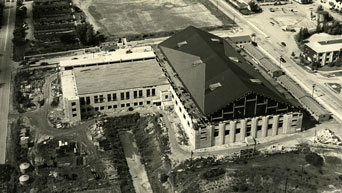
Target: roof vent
x=257, y=81
x=214, y=86
x=180, y=44
x=235, y=59
x=215, y=40
x=197, y=62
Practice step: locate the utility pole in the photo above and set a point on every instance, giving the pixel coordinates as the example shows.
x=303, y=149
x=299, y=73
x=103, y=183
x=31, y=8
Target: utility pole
x=313, y=90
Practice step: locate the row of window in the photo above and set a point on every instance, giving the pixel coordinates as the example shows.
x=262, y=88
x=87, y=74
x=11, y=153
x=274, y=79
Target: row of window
x=123, y=96
x=248, y=129
x=83, y=110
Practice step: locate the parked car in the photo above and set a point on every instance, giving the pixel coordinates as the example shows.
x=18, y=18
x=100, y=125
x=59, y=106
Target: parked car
x=282, y=60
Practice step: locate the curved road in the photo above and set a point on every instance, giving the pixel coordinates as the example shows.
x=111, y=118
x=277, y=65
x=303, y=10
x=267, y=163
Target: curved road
x=6, y=48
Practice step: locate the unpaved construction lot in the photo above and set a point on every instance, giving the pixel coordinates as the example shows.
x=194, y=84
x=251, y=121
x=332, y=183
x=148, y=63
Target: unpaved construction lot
x=118, y=17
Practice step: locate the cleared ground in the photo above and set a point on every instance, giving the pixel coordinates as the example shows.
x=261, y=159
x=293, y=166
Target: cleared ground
x=118, y=17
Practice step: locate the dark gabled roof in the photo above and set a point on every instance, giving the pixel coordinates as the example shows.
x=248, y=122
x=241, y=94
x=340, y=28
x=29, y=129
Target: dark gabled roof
x=206, y=59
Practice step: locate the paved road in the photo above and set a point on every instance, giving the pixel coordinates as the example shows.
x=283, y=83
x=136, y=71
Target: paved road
x=270, y=44
x=5, y=73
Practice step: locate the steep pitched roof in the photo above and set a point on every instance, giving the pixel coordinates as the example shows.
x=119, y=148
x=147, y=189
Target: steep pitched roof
x=212, y=70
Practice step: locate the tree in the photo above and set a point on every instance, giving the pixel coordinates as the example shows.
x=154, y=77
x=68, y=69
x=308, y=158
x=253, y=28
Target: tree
x=87, y=36
x=90, y=36
x=303, y=34
x=254, y=7
x=319, y=8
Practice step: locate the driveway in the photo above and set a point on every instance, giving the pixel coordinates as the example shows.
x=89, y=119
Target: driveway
x=136, y=168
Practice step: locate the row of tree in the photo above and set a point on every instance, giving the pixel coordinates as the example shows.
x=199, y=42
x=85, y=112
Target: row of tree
x=87, y=35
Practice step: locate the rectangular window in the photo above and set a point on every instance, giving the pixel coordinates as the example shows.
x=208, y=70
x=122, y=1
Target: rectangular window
x=74, y=109
x=148, y=102
x=102, y=108
x=148, y=93
x=96, y=108
x=135, y=104
x=73, y=104
x=88, y=109
x=280, y=123
x=128, y=105
x=109, y=97
x=127, y=95
x=101, y=98
x=180, y=109
x=140, y=93
x=115, y=106
x=135, y=94
x=82, y=101
x=141, y=103
x=74, y=115
x=96, y=99
x=259, y=127
x=226, y=132
x=216, y=133
x=88, y=100
x=237, y=130
x=166, y=96
x=153, y=92
x=122, y=96
x=122, y=105
x=114, y=97
x=269, y=126
x=109, y=107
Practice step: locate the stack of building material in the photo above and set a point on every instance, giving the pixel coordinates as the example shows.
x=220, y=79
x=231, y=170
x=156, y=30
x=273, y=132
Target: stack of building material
x=326, y=136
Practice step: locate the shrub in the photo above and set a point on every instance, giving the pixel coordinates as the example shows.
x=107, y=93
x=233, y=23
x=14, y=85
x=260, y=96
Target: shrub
x=163, y=178
x=213, y=173
x=314, y=159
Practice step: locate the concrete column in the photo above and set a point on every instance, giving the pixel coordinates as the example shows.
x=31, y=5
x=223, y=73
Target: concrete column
x=211, y=129
x=243, y=129
x=264, y=126
x=221, y=133
x=232, y=131
x=287, y=124
x=254, y=127
x=275, y=125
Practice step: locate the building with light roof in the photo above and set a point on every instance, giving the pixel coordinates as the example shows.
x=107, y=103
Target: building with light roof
x=323, y=52
x=218, y=96
x=105, y=58
x=94, y=89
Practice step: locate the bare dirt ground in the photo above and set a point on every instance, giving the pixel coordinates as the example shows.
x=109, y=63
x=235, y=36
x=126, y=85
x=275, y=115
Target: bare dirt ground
x=146, y=16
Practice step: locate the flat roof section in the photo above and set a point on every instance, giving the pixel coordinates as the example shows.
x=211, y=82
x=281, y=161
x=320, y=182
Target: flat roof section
x=68, y=83
x=120, y=76
x=127, y=54
x=325, y=46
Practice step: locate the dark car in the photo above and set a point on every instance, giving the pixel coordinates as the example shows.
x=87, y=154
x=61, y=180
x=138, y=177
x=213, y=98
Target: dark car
x=282, y=60
x=283, y=43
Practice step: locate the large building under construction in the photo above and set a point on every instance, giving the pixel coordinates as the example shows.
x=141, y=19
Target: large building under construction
x=218, y=96
x=111, y=87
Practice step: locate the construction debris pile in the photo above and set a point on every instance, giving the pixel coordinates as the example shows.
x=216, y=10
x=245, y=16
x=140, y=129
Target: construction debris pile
x=96, y=135
x=327, y=136
x=31, y=91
